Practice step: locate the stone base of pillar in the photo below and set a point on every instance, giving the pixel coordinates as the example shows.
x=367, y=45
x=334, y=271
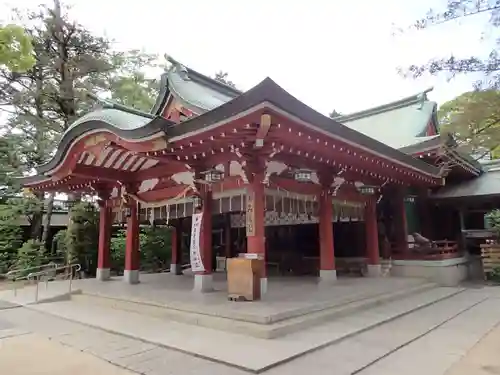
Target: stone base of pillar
x=374, y=270
x=263, y=286
x=203, y=283
x=176, y=269
x=102, y=274
x=327, y=275
x=131, y=276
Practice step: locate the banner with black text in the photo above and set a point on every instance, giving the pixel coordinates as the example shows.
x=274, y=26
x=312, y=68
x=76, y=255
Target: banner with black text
x=194, y=250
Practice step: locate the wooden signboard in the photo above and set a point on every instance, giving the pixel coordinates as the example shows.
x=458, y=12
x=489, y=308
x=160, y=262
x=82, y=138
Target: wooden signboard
x=250, y=214
x=243, y=278
x=491, y=257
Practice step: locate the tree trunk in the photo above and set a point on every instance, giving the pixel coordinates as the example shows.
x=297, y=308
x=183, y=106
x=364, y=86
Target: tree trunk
x=36, y=221
x=66, y=83
x=47, y=219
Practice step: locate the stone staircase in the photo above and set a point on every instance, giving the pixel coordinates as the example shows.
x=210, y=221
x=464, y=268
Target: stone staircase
x=279, y=324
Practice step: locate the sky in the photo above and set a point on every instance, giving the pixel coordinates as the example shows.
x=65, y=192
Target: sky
x=330, y=54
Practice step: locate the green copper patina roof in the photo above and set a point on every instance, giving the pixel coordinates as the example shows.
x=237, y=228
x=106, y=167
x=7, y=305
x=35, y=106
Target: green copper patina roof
x=194, y=90
x=486, y=185
x=398, y=124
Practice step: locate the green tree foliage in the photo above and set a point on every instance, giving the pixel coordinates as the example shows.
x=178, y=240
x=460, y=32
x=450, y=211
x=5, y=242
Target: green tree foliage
x=155, y=246
x=488, y=66
x=11, y=237
x=129, y=84
x=79, y=242
x=31, y=254
x=474, y=119
x=223, y=77
x=10, y=164
x=44, y=100
x=117, y=249
x=16, y=50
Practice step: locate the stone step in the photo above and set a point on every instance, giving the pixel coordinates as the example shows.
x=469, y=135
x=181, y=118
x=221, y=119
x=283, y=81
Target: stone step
x=268, y=329
x=427, y=341
x=256, y=354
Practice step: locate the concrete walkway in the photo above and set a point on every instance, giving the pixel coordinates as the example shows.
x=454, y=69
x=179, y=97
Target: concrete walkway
x=482, y=359
x=431, y=341
x=32, y=354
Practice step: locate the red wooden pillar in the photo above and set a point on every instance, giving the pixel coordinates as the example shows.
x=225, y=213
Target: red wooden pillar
x=176, y=247
x=371, y=229
x=103, y=255
x=203, y=281
x=255, y=223
x=400, y=226
x=327, y=271
x=132, y=256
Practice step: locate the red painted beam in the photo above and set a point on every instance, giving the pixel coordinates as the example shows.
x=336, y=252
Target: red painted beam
x=338, y=152
x=347, y=192
x=102, y=174
x=229, y=183
x=300, y=161
x=293, y=186
x=162, y=194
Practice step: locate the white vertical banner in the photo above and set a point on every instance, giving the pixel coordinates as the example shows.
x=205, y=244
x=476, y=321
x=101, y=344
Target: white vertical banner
x=194, y=250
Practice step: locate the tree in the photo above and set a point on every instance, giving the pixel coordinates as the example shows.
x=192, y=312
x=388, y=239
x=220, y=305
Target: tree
x=223, y=77
x=10, y=165
x=474, y=120
x=129, y=84
x=334, y=114
x=488, y=66
x=42, y=102
x=79, y=242
x=16, y=50
x=11, y=237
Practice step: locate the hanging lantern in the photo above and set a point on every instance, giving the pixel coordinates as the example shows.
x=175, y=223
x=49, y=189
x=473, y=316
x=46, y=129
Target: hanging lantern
x=197, y=202
x=410, y=199
x=367, y=190
x=303, y=175
x=213, y=175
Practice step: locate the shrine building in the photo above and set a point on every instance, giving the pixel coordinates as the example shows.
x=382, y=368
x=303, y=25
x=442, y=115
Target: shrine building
x=270, y=176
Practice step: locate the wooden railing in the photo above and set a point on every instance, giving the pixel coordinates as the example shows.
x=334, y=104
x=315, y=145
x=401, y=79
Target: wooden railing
x=434, y=250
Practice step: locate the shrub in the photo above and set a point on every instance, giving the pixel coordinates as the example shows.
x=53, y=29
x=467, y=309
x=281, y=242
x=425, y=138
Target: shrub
x=30, y=255
x=155, y=249
x=493, y=221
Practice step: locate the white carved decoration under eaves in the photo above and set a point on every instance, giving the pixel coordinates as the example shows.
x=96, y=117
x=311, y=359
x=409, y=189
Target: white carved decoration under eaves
x=358, y=184
x=114, y=192
x=184, y=178
x=273, y=167
x=236, y=169
x=337, y=183
x=147, y=185
x=314, y=178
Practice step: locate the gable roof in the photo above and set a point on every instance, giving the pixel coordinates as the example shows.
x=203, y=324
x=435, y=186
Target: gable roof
x=484, y=186
x=197, y=92
x=271, y=94
x=397, y=124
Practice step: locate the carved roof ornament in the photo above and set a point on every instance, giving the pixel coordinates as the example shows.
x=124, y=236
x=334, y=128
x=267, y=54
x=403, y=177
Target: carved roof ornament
x=177, y=66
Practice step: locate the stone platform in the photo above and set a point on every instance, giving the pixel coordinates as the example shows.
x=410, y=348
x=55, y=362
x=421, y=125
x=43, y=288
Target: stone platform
x=162, y=300
x=291, y=304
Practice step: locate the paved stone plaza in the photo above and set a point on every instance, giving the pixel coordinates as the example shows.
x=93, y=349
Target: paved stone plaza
x=434, y=338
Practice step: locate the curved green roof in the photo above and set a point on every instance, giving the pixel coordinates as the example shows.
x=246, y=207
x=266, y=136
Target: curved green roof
x=194, y=90
x=398, y=124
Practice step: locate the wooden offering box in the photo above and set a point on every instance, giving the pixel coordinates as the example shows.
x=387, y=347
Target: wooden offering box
x=243, y=278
